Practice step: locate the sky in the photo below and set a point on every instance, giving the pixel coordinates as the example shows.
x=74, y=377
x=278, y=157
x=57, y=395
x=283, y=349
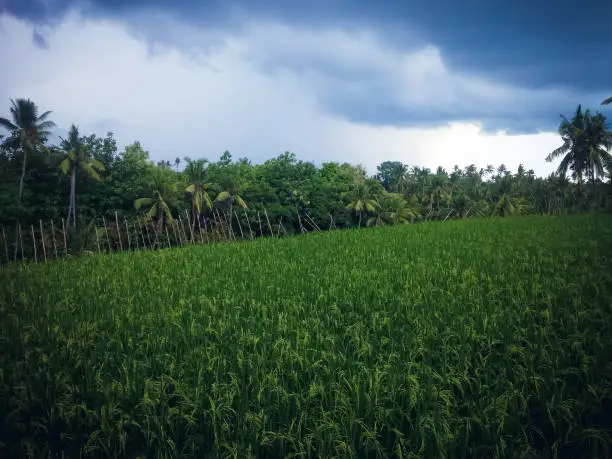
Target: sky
x=426, y=82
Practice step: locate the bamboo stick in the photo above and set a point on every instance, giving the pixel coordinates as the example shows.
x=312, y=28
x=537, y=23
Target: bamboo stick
x=110, y=250
x=65, y=241
x=206, y=232
x=189, y=224
x=8, y=260
x=280, y=222
x=239, y=225
x=174, y=232
x=148, y=235
x=34, y=244
x=261, y=233
x=42, y=238
x=97, y=238
x=54, y=243
x=268, y=220
x=21, y=243
x=127, y=232
x=136, y=238
x=200, y=229
x=182, y=227
x=248, y=223
x=144, y=243
x=168, y=236
x=313, y=222
x=118, y=232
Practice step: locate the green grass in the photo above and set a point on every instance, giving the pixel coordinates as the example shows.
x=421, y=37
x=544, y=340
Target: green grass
x=477, y=338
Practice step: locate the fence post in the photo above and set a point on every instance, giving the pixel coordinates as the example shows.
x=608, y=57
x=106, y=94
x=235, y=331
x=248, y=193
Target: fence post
x=42, y=237
x=261, y=233
x=21, y=243
x=54, y=243
x=65, y=242
x=118, y=231
x=127, y=233
x=248, y=223
x=239, y=225
x=8, y=260
x=268, y=220
x=110, y=250
x=34, y=244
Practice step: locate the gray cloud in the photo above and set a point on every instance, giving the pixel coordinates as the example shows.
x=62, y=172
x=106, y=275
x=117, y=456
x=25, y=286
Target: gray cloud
x=266, y=88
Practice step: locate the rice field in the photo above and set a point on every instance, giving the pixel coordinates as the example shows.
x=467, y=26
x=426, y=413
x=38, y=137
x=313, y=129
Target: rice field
x=464, y=339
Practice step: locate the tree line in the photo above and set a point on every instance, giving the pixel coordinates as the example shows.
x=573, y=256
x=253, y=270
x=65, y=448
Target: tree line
x=85, y=177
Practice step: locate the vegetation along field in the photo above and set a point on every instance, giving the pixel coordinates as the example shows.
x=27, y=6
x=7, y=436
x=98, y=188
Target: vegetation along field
x=468, y=338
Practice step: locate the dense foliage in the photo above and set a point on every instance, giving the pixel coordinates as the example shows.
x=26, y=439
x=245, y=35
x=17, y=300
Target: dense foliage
x=86, y=177
x=474, y=338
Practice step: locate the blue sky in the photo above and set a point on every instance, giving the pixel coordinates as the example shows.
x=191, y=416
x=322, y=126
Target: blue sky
x=427, y=82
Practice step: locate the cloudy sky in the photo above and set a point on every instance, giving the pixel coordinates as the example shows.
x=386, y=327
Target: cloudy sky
x=426, y=82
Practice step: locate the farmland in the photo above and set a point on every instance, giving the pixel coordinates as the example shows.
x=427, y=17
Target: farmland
x=473, y=338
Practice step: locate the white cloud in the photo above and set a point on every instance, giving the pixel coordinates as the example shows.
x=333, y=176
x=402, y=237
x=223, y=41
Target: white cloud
x=218, y=91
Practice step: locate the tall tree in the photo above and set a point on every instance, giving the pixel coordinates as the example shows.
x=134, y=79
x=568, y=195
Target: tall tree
x=361, y=200
x=77, y=157
x=198, y=187
x=586, y=139
x=162, y=190
x=28, y=128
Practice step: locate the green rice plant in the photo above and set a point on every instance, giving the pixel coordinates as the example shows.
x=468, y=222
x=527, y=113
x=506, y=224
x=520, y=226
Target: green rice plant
x=472, y=339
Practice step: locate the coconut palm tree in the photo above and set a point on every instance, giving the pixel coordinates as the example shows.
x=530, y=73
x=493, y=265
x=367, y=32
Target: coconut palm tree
x=77, y=157
x=399, y=210
x=361, y=201
x=28, y=128
x=198, y=188
x=586, y=139
x=230, y=196
x=162, y=190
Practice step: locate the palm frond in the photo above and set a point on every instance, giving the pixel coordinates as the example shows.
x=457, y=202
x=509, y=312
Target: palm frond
x=140, y=202
x=64, y=166
x=607, y=101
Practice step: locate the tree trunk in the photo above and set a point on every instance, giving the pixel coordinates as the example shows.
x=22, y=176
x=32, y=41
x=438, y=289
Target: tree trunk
x=73, y=197
x=23, y=171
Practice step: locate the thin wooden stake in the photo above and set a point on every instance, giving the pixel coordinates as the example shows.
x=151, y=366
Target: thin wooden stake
x=248, y=223
x=268, y=220
x=280, y=223
x=206, y=232
x=312, y=221
x=54, y=243
x=106, y=232
x=182, y=227
x=261, y=233
x=136, y=238
x=65, y=241
x=239, y=225
x=8, y=260
x=21, y=243
x=189, y=224
x=34, y=244
x=167, y=236
x=148, y=235
x=118, y=232
x=42, y=238
x=200, y=228
x=127, y=232
x=174, y=232
x=97, y=237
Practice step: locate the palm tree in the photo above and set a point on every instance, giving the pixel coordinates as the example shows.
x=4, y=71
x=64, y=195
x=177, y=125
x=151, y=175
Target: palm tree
x=198, y=187
x=399, y=210
x=29, y=129
x=361, y=200
x=77, y=158
x=230, y=195
x=177, y=161
x=586, y=140
x=379, y=218
x=163, y=188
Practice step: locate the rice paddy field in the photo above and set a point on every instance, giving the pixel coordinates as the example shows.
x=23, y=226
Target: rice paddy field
x=464, y=339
